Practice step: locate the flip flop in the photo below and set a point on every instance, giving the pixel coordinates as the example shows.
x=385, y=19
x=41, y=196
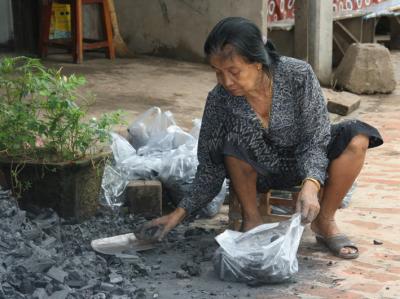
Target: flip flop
x=336, y=243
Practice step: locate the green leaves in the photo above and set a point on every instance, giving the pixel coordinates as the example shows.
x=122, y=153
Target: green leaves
x=39, y=116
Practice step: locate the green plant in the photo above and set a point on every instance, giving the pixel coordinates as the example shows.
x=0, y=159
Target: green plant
x=39, y=115
x=40, y=120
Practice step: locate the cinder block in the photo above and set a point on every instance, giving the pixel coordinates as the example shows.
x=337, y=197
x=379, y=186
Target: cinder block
x=342, y=103
x=366, y=69
x=145, y=197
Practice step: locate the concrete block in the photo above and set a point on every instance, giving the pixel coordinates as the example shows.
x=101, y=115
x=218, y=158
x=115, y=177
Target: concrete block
x=366, y=69
x=342, y=103
x=145, y=197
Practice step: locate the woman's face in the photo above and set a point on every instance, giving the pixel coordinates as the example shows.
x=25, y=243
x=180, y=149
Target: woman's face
x=234, y=73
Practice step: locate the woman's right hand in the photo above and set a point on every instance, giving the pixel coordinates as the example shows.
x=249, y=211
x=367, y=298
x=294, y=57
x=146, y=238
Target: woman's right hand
x=158, y=228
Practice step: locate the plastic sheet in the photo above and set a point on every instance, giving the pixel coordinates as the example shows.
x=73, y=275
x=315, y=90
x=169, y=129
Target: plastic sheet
x=265, y=254
x=157, y=149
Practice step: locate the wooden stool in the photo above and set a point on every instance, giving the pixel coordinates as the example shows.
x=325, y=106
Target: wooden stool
x=265, y=203
x=77, y=44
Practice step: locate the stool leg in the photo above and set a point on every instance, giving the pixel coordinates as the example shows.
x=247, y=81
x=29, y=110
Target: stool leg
x=44, y=29
x=77, y=38
x=108, y=30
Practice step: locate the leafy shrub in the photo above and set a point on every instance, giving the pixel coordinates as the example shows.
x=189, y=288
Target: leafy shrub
x=39, y=116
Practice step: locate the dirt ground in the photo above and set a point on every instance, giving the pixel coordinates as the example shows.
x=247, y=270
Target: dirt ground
x=137, y=84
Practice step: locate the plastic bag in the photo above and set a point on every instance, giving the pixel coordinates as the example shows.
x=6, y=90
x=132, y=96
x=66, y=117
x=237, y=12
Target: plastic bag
x=127, y=166
x=166, y=140
x=215, y=205
x=157, y=149
x=265, y=254
x=147, y=125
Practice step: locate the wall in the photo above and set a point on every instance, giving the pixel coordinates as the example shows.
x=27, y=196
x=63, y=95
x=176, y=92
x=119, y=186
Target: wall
x=6, y=26
x=178, y=28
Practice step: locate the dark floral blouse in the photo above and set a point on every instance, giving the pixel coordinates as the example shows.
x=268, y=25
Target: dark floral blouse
x=291, y=148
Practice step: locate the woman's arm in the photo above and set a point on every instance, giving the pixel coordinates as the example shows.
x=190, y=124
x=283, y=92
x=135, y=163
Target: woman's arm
x=210, y=174
x=311, y=152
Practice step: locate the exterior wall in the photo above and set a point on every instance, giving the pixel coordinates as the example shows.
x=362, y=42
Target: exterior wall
x=6, y=26
x=178, y=28
x=283, y=41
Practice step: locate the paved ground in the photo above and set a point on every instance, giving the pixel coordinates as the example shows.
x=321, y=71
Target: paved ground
x=138, y=84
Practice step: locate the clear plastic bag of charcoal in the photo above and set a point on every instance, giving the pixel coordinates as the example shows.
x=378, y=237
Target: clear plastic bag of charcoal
x=265, y=254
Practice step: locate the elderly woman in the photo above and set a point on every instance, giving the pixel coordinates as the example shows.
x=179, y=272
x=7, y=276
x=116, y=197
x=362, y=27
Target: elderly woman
x=265, y=125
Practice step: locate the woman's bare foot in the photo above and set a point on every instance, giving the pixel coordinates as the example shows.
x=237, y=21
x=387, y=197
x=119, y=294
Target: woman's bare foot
x=327, y=228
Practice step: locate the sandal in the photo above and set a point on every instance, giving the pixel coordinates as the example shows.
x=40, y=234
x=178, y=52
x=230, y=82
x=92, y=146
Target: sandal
x=336, y=243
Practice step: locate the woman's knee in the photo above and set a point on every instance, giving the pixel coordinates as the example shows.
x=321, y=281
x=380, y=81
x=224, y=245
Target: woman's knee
x=358, y=144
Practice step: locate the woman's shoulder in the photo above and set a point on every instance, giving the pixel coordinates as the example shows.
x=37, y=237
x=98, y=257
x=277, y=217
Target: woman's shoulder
x=218, y=92
x=292, y=66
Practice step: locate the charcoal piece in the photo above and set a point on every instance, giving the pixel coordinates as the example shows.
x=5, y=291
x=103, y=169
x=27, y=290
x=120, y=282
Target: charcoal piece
x=191, y=268
x=32, y=234
x=27, y=286
x=8, y=261
x=148, y=233
x=181, y=274
x=14, y=280
x=62, y=294
x=22, y=251
x=99, y=296
x=140, y=293
x=76, y=284
x=4, y=245
x=90, y=284
x=108, y=287
x=74, y=274
x=57, y=274
x=196, y=231
x=41, y=282
x=115, y=278
x=127, y=257
x=40, y=294
x=2, y=269
x=9, y=292
x=35, y=264
x=49, y=288
x=48, y=242
x=155, y=267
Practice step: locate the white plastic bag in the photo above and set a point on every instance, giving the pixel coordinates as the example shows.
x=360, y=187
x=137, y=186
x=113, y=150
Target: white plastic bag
x=157, y=149
x=149, y=124
x=169, y=139
x=265, y=254
x=127, y=166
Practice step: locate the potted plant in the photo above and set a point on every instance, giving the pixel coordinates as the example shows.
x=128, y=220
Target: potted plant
x=50, y=152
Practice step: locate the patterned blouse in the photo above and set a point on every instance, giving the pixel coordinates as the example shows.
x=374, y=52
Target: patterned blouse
x=291, y=148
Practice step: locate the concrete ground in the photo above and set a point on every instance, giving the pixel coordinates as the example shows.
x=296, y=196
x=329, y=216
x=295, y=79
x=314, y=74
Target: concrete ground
x=137, y=84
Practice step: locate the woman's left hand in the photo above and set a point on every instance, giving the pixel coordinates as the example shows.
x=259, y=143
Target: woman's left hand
x=307, y=202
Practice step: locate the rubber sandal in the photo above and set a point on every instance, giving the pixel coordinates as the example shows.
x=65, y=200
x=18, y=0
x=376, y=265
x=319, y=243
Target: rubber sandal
x=336, y=243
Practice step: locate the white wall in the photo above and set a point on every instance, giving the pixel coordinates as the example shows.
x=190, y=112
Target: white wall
x=178, y=28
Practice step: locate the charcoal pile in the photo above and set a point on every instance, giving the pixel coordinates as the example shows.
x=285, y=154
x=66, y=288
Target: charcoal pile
x=43, y=256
